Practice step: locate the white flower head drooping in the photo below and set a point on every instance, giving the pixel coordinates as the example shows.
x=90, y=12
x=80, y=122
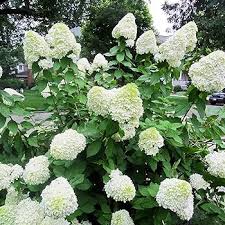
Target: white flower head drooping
x=216, y=164
x=28, y=212
x=146, y=43
x=121, y=217
x=59, y=199
x=35, y=47
x=126, y=28
x=61, y=40
x=212, y=80
x=120, y=187
x=176, y=195
x=197, y=182
x=150, y=141
x=67, y=145
x=36, y=171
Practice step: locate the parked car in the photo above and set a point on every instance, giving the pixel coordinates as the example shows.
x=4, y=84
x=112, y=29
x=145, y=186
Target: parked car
x=217, y=98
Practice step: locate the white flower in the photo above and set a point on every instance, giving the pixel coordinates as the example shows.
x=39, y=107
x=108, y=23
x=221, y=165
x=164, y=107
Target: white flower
x=1, y=71
x=176, y=195
x=146, y=43
x=7, y=215
x=130, y=43
x=13, y=197
x=126, y=105
x=121, y=217
x=28, y=212
x=67, y=145
x=99, y=100
x=221, y=189
x=61, y=39
x=52, y=221
x=12, y=92
x=36, y=171
x=173, y=50
x=197, y=182
x=190, y=30
x=86, y=222
x=99, y=62
x=45, y=63
x=59, y=199
x=126, y=28
x=208, y=74
x=34, y=47
x=83, y=65
x=120, y=187
x=216, y=164
x=150, y=141
x=8, y=174
x=46, y=92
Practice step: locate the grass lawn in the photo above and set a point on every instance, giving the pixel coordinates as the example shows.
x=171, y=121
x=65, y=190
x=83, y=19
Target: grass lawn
x=34, y=100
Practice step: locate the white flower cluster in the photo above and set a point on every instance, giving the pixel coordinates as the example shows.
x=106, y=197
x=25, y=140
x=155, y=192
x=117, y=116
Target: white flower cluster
x=208, y=74
x=83, y=65
x=146, y=43
x=150, y=141
x=1, y=71
x=13, y=197
x=59, y=199
x=176, y=195
x=35, y=47
x=84, y=222
x=123, y=104
x=216, y=164
x=98, y=63
x=126, y=28
x=99, y=100
x=120, y=187
x=52, y=221
x=8, y=174
x=7, y=215
x=174, y=49
x=46, y=63
x=67, y=145
x=28, y=212
x=61, y=40
x=197, y=182
x=121, y=217
x=36, y=170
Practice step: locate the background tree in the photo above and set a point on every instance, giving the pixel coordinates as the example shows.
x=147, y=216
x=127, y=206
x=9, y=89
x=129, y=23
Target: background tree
x=209, y=16
x=103, y=17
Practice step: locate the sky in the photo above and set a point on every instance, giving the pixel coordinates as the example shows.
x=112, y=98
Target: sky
x=159, y=16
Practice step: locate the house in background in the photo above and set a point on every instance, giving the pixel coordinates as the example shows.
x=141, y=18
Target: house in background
x=24, y=74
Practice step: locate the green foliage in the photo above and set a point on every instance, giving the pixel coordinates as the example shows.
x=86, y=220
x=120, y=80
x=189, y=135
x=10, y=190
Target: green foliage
x=11, y=83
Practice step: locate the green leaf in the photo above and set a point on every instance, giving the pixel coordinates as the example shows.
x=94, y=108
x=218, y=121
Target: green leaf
x=114, y=50
x=120, y=57
x=2, y=121
x=77, y=179
x=12, y=125
x=69, y=76
x=94, y=148
x=4, y=110
x=144, y=203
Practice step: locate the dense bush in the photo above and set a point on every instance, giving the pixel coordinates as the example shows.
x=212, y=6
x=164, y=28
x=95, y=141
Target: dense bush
x=119, y=148
x=11, y=83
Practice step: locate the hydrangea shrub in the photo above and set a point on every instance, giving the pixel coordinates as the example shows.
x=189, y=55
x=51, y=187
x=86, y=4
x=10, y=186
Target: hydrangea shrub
x=119, y=146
